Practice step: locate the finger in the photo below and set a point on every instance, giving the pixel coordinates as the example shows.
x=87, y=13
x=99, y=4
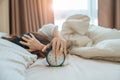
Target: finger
x=54, y=47
x=27, y=36
x=25, y=39
x=29, y=50
x=23, y=43
x=32, y=35
x=61, y=48
x=65, y=49
x=58, y=44
x=44, y=49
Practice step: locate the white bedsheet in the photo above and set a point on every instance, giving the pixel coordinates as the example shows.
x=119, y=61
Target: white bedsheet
x=78, y=69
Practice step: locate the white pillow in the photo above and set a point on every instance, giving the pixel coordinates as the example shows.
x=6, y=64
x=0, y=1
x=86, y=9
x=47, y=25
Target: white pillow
x=99, y=33
x=14, y=60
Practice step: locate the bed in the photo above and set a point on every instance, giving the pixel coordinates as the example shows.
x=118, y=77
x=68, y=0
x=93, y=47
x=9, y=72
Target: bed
x=96, y=58
x=18, y=64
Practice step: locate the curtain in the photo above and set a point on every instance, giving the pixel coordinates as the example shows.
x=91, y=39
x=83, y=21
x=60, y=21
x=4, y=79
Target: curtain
x=29, y=15
x=109, y=13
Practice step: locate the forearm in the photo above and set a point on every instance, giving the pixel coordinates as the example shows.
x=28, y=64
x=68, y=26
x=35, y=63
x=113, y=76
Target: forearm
x=56, y=33
x=41, y=46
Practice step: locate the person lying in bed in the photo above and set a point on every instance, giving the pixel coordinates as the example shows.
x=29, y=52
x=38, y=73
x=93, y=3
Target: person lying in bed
x=37, y=42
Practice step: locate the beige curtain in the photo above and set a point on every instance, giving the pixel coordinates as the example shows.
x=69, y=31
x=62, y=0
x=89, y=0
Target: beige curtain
x=29, y=15
x=109, y=13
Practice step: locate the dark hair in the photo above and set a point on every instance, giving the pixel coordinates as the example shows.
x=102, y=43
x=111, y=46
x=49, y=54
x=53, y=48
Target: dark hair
x=43, y=39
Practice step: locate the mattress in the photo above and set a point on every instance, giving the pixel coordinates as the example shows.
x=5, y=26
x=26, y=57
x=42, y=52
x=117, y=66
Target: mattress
x=77, y=69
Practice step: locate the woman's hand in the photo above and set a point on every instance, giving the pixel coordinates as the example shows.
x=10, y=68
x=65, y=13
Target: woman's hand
x=32, y=43
x=59, y=45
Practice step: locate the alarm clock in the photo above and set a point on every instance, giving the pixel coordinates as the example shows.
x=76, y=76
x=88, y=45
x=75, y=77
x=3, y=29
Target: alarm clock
x=53, y=59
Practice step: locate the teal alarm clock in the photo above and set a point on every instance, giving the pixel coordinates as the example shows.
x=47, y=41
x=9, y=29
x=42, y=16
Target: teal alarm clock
x=53, y=59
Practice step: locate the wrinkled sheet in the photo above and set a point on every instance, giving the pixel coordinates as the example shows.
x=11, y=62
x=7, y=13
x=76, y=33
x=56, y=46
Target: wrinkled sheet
x=77, y=69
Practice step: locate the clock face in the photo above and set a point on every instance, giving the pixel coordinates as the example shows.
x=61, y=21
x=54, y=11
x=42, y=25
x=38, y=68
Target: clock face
x=55, y=60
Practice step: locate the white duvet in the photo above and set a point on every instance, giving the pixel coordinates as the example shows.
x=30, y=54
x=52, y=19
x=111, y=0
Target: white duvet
x=106, y=44
x=89, y=41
